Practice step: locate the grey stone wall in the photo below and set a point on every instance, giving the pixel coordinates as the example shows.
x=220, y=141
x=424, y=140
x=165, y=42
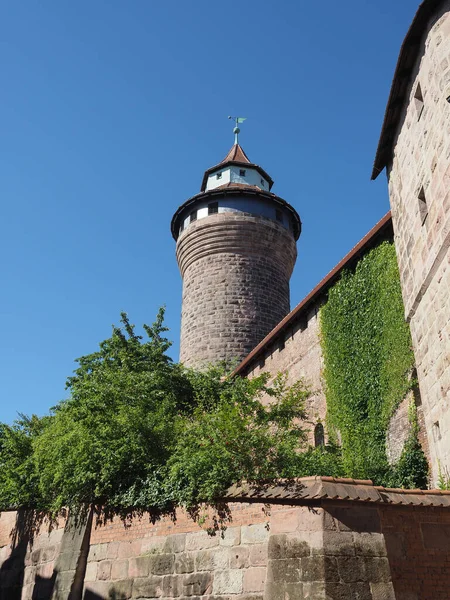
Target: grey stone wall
x=420, y=172
x=236, y=270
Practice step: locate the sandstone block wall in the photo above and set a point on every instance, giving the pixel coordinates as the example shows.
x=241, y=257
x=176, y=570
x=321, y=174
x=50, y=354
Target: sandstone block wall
x=236, y=270
x=330, y=549
x=419, y=189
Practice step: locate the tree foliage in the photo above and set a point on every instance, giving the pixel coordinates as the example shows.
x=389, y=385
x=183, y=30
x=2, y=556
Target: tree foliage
x=140, y=432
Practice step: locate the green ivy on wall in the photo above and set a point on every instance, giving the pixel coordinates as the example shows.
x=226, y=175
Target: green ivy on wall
x=368, y=360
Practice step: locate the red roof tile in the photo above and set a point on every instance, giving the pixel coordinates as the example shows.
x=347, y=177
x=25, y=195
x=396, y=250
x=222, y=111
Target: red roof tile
x=236, y=154
x=307, y=490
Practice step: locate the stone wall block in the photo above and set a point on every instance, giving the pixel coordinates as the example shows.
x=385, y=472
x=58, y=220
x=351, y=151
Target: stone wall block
x=139, y=567
x=258, y=555
x=129, y=549
x=341, y=543
x=148, y=587
x=153, y=545
x=113, y=550
x=239, y=557
x=201, y=540
x=352, y=568
x=228, y=582
x=316, y=591
x=119, y=569
x=100, y=588
x=254, y=579
x=98, y=552
x=197, y=584
x=378, y=570
x=175, y=543
x=161, y=564
x=104, y=569
x=172, y=585
x=254, y=534
x=287, y=570
x=121, y=589
x=184, y=563
x=382, y=591
x=348, y=591
x=230, y=537
x=284, y=521
x=370, y=544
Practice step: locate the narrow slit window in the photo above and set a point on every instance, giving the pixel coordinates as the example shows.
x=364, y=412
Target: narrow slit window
x=319, y=435
x=218, y=175
x=213, y=208
x=263, y=183
x=418, y=101
x=278, y=215
x=193, y=216
x=242, y=172
x=423, y=208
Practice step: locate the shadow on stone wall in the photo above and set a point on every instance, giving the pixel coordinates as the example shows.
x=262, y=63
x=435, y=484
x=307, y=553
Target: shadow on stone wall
x=13, y=569
x=43, y=587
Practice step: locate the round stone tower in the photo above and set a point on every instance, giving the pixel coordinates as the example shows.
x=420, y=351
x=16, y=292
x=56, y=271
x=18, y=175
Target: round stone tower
x=236, y=249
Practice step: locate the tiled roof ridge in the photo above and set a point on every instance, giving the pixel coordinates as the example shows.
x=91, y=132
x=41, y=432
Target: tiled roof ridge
x=314, y=489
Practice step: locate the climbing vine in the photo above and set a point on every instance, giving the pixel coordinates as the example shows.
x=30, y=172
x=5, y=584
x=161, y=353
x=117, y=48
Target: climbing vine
x=368, y=360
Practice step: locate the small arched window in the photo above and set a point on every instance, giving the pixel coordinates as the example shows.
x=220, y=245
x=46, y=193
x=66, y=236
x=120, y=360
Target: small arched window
x=319, y=435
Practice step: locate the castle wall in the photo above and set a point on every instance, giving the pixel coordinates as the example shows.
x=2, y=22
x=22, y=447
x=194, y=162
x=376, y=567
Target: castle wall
x=419, y=189
x=236, y=270
x=300, y=358
x=377, y=549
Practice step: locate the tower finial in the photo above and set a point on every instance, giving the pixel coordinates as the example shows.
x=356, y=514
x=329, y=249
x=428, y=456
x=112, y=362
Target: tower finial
x=236, y=129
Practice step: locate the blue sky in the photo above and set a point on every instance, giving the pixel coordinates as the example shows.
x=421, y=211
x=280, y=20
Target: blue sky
x=110, y=113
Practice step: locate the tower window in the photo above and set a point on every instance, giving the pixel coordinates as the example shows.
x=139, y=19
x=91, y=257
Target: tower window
x=319, y=435
x=418, y=101
x=213, y=208
x=423, y=208
x=218, y=175
x=263, y=183
x=278, y=215
x=193, y=216
x=242, y=172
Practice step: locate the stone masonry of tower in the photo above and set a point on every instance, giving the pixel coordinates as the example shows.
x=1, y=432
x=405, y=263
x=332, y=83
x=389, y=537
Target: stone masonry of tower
x=236, y=249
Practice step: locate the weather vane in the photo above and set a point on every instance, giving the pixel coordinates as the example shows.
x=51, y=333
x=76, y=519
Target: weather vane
x=236, y=130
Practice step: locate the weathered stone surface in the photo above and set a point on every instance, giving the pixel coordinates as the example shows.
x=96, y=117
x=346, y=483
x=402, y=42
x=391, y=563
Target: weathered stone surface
x=254, y=534
x=175, y=543
x=337, y=543
x=184, y=563
x=383, y=591
x=258, y=555
x=284, y=546
x=147, y=587
x=254, y=579
x=161, y=564
x=197, y=584
x=348, y=591
x=91, y=572
x=211, y=559
x=98, y=552
x=233, y=283
x=104, y=569
x=201, y=540
x=228, y=582
x=119, y=569
x=173, y=585
x=378, y=570
x=121, y=589
x=230, y=537
x=287, y=570
x=239, y=557
x=352, y=568
x=370, y=544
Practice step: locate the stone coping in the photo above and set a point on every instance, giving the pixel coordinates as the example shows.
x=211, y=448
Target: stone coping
x=312, y=490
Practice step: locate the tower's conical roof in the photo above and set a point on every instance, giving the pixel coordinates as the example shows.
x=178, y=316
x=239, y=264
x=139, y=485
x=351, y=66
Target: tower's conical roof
x=236, y=156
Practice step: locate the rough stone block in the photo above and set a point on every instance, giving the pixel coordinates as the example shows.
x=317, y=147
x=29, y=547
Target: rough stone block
x=197, y=584
x=287, y=570
x=139, y=567
x=258, y=555
x=201, y=540
x=228, y=582
x=184, y=563
x=254, y=579
x=316, y=591
x=284, y=546
x=175, y=543
x=239, y=557
x=104, y=570
x=113, y=550
x=335, y=543
x=119, y=569
x=172, y=585
x=48, y=553
x=148, y=587
x=153, y=545
x=352, y=568
x=129, y=549
x=369, y=544
x=121, y=589
x=230, y=537
x=98, y=552
x=275, y=590
x=348, y=591
x=161, y=564
x=100, y=588
x=382, y=591
x=254, y=534
x=378, y=570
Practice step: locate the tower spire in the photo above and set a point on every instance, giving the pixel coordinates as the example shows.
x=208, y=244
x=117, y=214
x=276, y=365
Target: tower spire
x=236, y=129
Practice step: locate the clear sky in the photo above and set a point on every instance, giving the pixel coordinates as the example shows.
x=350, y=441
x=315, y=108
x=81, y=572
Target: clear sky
x=111, y=111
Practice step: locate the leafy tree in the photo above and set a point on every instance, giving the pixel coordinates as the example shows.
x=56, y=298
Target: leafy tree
x=140, y=432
